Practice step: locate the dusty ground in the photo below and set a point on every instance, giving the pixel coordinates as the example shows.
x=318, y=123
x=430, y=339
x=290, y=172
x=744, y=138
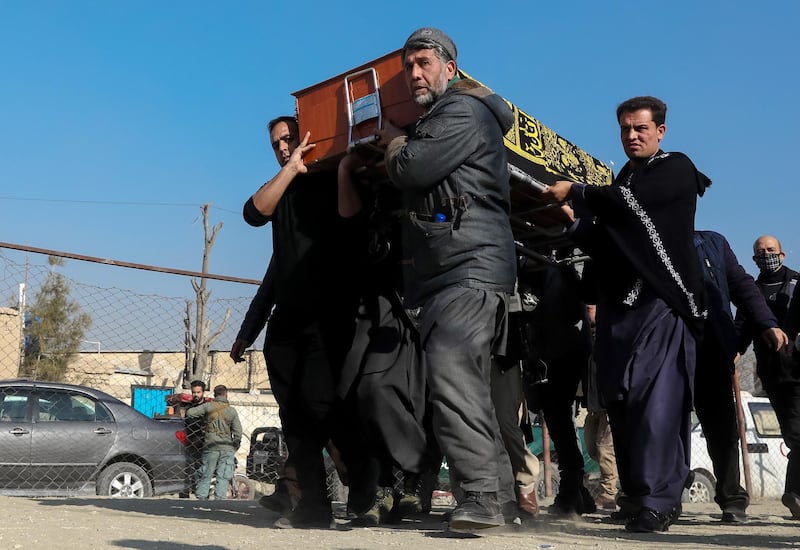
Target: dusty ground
x=172, y=524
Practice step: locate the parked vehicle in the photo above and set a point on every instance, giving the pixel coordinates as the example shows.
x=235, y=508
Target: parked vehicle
x=64, y=439
x=268, y=454
x=766, y=448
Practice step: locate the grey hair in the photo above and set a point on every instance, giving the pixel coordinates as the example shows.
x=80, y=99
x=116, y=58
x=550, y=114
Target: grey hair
x=425, y=44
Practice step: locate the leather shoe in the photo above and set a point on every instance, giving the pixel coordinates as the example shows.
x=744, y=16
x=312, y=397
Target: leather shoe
x=734, y=517
x=674, y=514
x=792, y=502
x=623, y=515
x=605, y=502
x=648, y=521
x=527, y=503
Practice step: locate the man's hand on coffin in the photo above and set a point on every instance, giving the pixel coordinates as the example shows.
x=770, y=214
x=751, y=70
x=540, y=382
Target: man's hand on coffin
x=557, y=192
x=387, y=134
x=567, y=210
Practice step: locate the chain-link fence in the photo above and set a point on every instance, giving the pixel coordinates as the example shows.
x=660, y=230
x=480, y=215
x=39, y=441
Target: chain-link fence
x=134, y=347
x=130, y=345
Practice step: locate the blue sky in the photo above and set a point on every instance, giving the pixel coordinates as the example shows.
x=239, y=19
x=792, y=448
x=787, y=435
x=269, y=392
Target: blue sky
x=119, y=119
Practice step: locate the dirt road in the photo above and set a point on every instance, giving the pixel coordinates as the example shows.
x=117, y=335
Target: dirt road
x=173, y=524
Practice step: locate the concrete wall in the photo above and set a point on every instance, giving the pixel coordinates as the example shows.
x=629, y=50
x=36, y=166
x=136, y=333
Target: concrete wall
x=116, y=371
x=10, y=338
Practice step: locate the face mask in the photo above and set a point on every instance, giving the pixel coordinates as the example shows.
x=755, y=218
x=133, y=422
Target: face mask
x=768, y=263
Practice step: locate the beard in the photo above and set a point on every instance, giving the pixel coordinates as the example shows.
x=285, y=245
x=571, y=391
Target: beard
x=434, y=92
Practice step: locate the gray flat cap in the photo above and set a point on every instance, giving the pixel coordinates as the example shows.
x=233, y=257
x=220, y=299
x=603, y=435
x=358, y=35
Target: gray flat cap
x=428, y=34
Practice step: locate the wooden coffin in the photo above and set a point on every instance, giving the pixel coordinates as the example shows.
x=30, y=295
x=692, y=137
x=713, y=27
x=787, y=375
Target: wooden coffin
x=322, y=108
x=349, y=107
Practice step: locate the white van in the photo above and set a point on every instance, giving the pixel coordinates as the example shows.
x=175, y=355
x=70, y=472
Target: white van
x=766, y=452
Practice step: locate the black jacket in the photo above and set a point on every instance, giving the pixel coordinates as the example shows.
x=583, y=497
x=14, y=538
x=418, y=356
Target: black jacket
x=312, y=254
x=773, y=367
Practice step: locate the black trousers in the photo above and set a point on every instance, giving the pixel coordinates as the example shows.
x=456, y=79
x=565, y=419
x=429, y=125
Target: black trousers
x=383, y=402
x=716, y=410
x=785, y=399
x=304, y=358
x=557, y=398
x=507, y=398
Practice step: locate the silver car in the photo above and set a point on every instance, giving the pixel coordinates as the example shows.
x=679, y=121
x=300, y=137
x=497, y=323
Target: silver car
x=63, y=439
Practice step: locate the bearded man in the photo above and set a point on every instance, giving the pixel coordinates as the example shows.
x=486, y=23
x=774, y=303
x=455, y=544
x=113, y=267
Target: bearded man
x=452, y=171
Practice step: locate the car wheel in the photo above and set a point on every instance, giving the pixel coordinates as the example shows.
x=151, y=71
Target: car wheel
x=124, y=480
x=701, y=489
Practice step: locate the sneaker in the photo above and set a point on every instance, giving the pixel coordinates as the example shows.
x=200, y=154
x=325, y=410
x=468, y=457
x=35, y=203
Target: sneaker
x=792, y=502
x=477, y=511
x=379, y=512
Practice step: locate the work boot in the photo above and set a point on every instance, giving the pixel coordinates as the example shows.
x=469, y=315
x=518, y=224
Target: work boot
x=478, y=510
x=379, y=512
x=408, y=503
x=406, y=506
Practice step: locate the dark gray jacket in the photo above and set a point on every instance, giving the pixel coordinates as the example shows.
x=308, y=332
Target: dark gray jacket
x=454, y=164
